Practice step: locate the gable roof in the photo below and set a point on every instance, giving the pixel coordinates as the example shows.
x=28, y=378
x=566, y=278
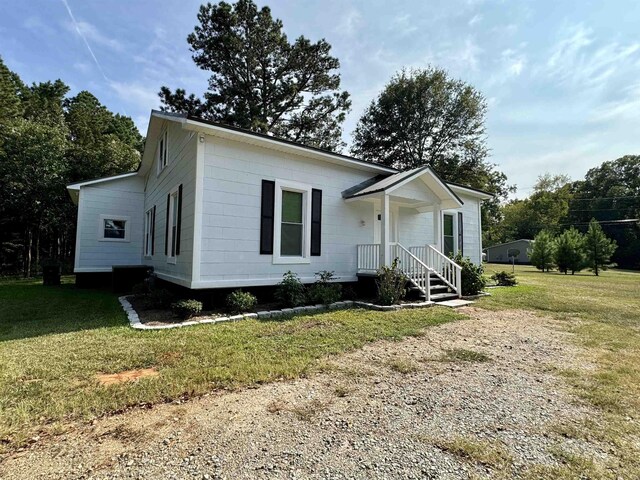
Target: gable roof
x=392, y=182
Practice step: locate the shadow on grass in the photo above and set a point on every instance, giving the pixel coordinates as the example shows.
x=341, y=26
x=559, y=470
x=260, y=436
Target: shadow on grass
x=29, y=309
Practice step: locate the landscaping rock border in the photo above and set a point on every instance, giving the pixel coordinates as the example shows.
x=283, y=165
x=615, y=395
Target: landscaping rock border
x=134, y=318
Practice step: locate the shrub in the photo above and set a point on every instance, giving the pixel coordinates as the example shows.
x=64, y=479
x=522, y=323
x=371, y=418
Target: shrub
x=504, y=279
x=290, y=291
x=186, y=308
x=240, y=302
x=159, y=298
x=323, y=291
x=542, y=253
x=569, y=251
x=390, y=284
x=473, y=280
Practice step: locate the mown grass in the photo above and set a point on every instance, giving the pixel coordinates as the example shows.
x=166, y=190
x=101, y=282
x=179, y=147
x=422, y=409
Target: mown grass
x=608, y=309
x=54, y=340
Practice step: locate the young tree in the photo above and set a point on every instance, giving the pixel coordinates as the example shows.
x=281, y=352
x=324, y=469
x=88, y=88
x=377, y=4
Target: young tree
x=260, y=80
x=598, y=248
x=569, y=251
x=542, y=253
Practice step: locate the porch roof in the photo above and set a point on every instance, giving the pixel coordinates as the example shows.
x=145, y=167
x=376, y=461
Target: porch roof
x=388, y=184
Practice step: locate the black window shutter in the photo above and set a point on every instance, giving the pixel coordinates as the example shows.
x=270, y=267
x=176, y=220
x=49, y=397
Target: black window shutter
x=179, y=222
x=316, y=222
x=460, y=235
x=266, y=217
x=166, y=227
x=153, y=230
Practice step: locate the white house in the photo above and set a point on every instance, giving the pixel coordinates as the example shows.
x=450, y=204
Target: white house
x=213, y=206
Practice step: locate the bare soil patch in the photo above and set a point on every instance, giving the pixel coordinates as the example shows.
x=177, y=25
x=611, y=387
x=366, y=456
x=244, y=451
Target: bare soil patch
x=389, y=410
x=126, y=376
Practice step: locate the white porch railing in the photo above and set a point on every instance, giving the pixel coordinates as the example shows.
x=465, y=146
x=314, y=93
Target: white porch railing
x=445, y=268
x=418, y=273
x=368, y=257
x=418, y=263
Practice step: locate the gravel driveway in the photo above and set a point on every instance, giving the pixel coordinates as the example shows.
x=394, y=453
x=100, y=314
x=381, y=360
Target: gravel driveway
x=474, y=398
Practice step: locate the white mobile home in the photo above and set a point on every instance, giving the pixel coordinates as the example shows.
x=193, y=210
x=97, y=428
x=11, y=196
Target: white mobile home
x=212, y=206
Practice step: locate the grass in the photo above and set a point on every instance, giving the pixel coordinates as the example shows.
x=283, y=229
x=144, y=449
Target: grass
x=491, y=454
x=463, y=355
x=608, y=327
x=54, y=341
x=403, y=366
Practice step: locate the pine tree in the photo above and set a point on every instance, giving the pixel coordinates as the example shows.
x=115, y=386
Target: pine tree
x=598, y=248
x=569, y=251
x=542, y=253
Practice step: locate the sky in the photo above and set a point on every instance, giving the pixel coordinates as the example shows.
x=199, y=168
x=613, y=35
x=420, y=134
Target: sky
x=561, y=78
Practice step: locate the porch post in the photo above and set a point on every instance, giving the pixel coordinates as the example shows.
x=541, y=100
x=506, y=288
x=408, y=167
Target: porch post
x=385, y=231
x=437, y=228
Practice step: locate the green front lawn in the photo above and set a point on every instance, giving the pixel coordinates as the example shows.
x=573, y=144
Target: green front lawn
x=54, y=340
x=607, y=309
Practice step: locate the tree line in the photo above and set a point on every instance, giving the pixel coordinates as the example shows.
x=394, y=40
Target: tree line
x=48, y=140
x=609, y=193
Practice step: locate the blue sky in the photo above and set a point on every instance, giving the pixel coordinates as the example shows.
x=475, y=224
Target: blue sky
x=561, y=77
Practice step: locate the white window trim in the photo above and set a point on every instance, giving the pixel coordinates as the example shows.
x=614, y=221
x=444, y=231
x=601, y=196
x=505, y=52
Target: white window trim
x=127, y=228
x=162, y=164
x=306, y=223
x=148, y=228
x=172, y=205
x=454, y=214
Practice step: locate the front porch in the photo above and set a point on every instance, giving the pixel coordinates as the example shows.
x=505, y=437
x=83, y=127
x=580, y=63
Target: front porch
x=415, y=192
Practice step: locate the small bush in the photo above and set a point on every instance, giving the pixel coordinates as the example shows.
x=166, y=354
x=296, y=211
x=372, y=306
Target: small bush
x=186, y=308
x=140, y=290
x=323, y=291
x=473, y=280
x=504, y=279
x=159, y=298
x=290, y=291
x=241, y=302
x=391, y=284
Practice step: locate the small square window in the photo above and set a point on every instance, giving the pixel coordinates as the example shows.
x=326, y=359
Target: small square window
x=113, y=229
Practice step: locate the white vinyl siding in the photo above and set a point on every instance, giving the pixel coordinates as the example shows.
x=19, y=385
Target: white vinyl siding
x=181, y=169
x=119, y=199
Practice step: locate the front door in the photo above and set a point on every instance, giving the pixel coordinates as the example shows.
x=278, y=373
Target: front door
x=377, y=226
x=448, y=235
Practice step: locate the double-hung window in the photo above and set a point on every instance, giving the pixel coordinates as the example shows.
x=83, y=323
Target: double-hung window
x=149, y=230
x=292, y=223
x=172, y=233
x=162, y=152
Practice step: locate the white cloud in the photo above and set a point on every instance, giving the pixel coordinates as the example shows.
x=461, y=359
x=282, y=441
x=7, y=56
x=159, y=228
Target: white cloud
x=404, y=24
x=625, y=108
x=141, y=95
x=476, y=19
x=350, y=23
x=92, y=33
x=576, y=59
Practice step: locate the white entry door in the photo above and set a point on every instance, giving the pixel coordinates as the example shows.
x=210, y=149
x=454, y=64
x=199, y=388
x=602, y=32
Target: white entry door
x=377, y=226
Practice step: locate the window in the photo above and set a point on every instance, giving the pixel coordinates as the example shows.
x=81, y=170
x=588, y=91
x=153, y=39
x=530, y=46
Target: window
x=448, y=236
x=292, y=223
x=113, y=228
x=172, y=233
x=292, y=227
x=149, y=231
x=162, y=152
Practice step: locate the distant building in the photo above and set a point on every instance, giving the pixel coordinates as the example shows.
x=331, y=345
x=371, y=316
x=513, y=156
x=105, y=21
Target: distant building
x=502, y=252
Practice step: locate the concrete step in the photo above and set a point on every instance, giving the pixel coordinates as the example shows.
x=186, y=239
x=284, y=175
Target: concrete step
x=441, y=297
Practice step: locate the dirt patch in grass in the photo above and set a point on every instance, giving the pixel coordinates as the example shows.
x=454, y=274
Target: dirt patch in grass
x=107, y=379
